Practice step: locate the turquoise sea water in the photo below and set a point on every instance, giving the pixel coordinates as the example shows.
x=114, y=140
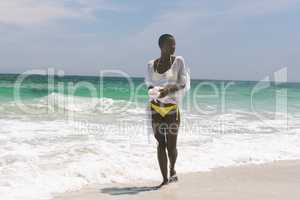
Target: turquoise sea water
x=205, y=94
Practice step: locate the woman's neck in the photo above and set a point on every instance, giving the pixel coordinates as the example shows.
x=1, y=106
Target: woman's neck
x=165, y=56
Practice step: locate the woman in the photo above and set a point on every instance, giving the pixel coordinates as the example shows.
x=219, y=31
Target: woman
x=167, y=80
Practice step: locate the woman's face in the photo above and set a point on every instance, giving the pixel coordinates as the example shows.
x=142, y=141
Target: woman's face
x=169, y=46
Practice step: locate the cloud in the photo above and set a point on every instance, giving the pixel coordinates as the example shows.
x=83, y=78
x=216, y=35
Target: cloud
x=30, y=12
x=211, y=30
x=197, y=18
x=37, y=12
x=262, y=7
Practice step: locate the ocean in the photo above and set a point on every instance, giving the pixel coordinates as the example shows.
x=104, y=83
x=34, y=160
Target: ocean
x=62, y=133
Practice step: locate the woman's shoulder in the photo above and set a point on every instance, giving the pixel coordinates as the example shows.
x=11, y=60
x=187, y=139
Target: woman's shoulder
x=180, y=58
x=179, y=62
x=152, y=61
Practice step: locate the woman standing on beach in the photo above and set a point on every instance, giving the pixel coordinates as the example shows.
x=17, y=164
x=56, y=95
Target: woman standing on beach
x=167, y=80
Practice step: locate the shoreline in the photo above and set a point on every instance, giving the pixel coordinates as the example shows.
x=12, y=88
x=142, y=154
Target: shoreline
x=276, y=180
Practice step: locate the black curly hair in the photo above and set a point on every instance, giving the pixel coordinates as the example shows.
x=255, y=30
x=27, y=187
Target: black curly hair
x=163, y=38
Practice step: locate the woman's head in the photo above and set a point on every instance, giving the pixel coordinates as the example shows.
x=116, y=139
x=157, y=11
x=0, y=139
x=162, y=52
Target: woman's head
x=167, y=44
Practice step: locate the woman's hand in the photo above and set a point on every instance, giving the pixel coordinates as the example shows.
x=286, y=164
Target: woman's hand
x=167, y=90
x=163, y=92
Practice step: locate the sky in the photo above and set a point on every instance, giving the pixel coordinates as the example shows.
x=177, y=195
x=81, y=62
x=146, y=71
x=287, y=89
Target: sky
x=219, y=39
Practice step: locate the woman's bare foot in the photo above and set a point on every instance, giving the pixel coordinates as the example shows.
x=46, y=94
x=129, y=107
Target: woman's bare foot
x=165, y=182
x=173, y=176
x=173, y=179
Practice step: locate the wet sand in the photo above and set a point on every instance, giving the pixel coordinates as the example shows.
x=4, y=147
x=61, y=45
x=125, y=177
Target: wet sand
x=277, y=180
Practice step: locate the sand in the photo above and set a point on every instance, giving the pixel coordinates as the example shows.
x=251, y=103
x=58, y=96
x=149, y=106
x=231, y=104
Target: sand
x=277, y=180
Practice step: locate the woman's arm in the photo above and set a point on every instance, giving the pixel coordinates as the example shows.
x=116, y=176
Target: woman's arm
x=169, y=89
x=148, y=77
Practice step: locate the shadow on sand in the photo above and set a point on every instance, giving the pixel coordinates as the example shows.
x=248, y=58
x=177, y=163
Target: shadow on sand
x=127, y=190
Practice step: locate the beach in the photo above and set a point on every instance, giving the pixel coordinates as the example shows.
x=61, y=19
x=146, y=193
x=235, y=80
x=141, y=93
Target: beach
x=277, y=180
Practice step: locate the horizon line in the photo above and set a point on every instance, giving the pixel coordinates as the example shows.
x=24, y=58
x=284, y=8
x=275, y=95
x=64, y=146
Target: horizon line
x=140, y=77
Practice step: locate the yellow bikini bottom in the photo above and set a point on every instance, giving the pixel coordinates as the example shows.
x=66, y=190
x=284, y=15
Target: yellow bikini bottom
x=163, y=111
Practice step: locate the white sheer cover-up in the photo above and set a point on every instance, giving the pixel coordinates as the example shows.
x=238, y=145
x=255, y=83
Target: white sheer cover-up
x=178, y=74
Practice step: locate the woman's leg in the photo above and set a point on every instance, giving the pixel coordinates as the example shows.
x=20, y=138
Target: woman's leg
x=159, y=134
x=172, y=133
x=163, y=161
x=172, y=152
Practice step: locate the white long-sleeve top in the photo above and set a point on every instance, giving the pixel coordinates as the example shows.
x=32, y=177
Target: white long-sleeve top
x=177, y=74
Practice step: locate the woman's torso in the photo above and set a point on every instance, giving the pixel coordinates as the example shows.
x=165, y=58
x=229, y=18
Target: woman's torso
x=170, y=76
